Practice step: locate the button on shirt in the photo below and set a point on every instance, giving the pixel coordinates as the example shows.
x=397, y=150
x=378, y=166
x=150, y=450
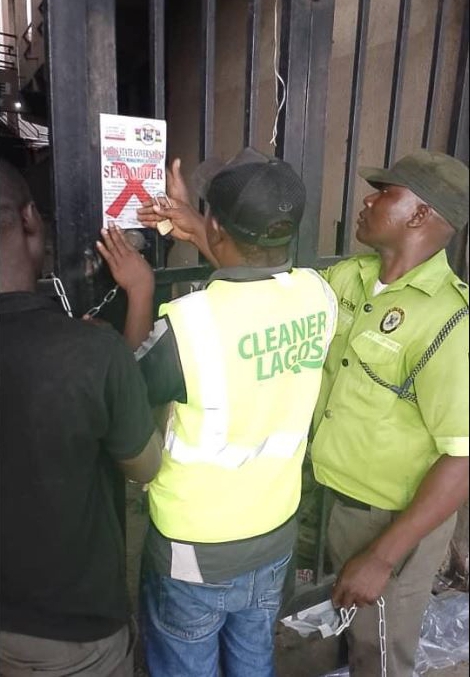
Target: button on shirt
x=368, y=443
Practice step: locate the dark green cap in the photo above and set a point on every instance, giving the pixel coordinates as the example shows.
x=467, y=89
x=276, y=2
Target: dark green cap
x=438, y=179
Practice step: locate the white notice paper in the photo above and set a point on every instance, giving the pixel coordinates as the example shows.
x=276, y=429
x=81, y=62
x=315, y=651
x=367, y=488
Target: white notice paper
x=133, y=154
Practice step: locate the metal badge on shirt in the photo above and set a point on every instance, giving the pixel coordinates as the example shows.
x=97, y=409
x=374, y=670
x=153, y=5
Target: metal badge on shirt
x=392, y=319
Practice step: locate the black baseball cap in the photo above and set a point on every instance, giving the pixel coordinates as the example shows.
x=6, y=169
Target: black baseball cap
x=250, y=193
x=437, y=178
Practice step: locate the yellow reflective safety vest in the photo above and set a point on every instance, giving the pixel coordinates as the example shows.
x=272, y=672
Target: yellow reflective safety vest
x=252, y=356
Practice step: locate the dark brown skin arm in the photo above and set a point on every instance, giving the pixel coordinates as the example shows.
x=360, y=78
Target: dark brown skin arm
x=135, y=276
x=443, y=490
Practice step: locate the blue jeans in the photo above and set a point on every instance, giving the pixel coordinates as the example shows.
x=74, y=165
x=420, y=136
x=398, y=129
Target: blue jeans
x=190, y=629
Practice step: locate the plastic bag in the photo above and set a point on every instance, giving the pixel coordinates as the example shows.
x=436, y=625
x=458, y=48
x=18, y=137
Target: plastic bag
x=319, y=618
x=444, y=634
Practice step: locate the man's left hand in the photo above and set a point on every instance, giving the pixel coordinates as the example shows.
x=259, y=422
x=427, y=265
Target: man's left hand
x=361, y=581
x=129, y=269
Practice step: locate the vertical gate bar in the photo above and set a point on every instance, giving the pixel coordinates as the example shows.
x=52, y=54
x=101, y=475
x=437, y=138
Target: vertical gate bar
x=157, y=88
x=319, y=566
x=458, y=142
x=157, y=57
x=102, y=98
x=206, y=129
x=321, y=42
x=293, y=67
x=252, y=72
x=66, y=57
x=344, y=228
x=397, y=81
x=458, y=134
x=434, y=72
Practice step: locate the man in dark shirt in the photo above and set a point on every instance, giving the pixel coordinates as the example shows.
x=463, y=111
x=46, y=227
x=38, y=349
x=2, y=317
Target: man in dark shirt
x=72, y=402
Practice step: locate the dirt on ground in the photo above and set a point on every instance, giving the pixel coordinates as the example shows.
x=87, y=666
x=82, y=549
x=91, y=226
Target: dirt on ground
x=295, y=656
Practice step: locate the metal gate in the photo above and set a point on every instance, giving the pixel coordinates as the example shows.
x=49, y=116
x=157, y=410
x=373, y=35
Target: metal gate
x=83, y=81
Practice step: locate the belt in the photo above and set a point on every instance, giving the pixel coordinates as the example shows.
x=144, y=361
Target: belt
x=350, y=502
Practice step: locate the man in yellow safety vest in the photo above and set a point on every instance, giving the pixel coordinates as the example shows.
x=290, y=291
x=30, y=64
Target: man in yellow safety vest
x=241, y=363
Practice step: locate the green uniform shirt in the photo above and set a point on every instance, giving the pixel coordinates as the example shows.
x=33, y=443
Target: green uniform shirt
x=368, y=443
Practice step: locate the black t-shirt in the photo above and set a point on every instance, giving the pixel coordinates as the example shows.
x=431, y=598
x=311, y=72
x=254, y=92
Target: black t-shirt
x=72, y=400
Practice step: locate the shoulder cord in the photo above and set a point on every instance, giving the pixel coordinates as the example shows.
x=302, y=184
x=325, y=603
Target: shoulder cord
x=403, y=392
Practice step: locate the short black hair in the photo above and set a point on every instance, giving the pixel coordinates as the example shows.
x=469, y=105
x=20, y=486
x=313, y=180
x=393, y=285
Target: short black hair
x=14, y=193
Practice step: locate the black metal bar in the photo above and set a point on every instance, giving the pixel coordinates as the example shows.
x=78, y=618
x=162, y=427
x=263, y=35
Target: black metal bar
x=436, y=63
x=319, y=569
x=102, y=89
x=157, y=89
x=458, y=146
x=321, y=41
x=80, y=48
x=101, y=98
x=397, y=81
x=344, y=228
x=293, y=67
x=206, y=129
x=157, y=57
x=458, y=136
x=66, y=45
x=252, y=72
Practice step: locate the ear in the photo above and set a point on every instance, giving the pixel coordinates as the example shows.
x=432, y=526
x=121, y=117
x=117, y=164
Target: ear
x=30, y=219
x=217, y=233
x=421, y=214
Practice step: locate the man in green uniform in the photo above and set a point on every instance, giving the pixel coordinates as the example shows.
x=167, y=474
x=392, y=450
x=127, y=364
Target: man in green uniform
x=391, y=424
x=391, y=439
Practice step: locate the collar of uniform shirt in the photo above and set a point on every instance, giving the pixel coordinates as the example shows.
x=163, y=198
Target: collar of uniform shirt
x=249, y=273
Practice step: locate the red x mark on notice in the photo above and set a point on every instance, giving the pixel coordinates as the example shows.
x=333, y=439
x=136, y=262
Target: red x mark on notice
x=132, y=187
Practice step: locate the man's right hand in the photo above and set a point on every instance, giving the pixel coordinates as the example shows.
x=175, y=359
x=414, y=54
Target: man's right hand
x=188, y=224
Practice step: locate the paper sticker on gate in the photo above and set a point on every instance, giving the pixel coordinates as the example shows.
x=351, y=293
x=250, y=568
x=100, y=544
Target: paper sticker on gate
x=133, y=154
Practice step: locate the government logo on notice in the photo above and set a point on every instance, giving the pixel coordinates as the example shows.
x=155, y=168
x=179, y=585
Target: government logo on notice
x=291, y=346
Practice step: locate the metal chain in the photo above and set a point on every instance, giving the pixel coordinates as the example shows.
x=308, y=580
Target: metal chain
x=347, y=616
x=94, y=310
x=382, y=636
x=60, y=291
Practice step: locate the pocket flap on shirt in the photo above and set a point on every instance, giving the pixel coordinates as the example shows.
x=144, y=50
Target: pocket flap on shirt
x=374, y=348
